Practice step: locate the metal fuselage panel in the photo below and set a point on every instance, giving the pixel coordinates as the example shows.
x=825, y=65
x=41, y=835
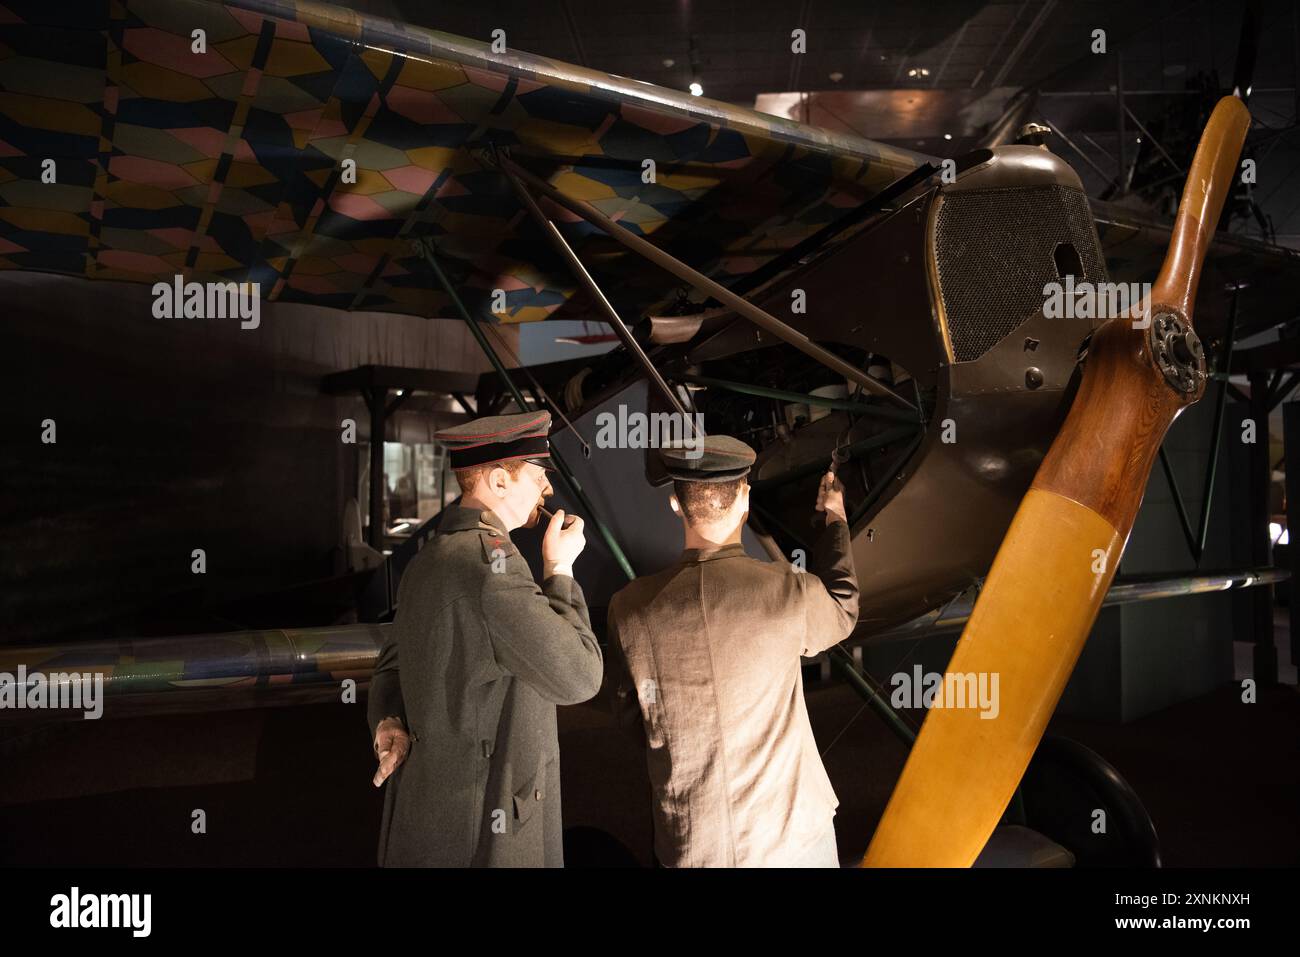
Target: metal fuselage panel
x=924, y=290
x=995, y=413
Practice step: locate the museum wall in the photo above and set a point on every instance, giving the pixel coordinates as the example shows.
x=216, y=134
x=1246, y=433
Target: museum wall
x=172, y=435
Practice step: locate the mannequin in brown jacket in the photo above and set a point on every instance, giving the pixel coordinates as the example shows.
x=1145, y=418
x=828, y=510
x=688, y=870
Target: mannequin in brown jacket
x=707, y=651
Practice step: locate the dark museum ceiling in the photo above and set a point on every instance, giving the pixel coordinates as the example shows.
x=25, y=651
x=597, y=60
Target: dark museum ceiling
x=946, y=55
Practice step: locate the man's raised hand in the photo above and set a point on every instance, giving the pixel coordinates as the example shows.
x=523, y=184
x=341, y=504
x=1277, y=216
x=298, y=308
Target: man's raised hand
x=830, y=499
x=562, y=544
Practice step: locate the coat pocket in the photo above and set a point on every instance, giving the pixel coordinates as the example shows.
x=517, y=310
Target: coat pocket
x=528, y=797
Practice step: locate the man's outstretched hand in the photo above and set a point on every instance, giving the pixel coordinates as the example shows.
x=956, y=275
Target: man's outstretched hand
x=392, y=744
x=830, y=499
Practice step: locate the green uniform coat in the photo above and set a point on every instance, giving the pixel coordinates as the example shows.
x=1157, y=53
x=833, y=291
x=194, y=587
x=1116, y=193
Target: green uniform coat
x=485, y=656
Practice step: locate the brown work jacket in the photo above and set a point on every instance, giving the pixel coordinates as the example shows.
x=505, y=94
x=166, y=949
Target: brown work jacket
x=708, y=652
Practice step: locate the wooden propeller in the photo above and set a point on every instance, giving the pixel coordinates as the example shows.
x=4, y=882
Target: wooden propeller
x=1060, y=554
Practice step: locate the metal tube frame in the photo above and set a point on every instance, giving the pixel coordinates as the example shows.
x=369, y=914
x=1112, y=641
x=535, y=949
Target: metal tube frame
x=891, y=473
x=1105, y=177
x=819, y=465
x=616, y=322
x=1264, y=653
x=654, y=254
x=1211, y=468
x=842, y=405
x=842, y=661
x=1196, y=539
x=378, y=487
x=1154, y=142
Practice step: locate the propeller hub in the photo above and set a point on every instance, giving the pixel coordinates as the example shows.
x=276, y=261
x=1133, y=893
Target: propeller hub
x=1177, y=352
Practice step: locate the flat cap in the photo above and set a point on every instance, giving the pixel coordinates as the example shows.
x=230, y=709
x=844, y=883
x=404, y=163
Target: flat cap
x=499, y=438
x=720, y=460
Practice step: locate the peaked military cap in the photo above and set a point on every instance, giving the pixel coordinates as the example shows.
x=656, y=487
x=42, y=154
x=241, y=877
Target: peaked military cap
x=499, y=438
x=721, y=460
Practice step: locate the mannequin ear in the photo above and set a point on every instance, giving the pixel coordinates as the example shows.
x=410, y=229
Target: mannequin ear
x=497, y=481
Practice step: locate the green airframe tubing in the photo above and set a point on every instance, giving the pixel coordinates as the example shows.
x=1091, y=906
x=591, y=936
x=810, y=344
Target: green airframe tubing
x=851, y=451
x=569, y=480
x=843, y=405
x=843, y=662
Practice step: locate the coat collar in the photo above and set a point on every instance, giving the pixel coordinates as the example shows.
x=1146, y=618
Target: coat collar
x=693, y=556
x=455, y=518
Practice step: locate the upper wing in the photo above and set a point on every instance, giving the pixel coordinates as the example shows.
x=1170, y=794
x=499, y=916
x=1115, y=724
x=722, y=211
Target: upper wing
x=228, y=164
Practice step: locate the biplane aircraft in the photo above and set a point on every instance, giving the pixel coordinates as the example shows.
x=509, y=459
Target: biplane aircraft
x=824, y=297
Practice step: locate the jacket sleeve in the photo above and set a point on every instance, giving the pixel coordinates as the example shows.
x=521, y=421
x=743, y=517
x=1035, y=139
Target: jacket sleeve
x=542, y=635
x=385, y=696
x=622, y=700
x=830, y=591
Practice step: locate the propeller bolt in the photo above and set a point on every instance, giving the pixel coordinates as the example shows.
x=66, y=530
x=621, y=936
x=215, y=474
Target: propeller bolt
x=1033, y=377
x=1177, y=352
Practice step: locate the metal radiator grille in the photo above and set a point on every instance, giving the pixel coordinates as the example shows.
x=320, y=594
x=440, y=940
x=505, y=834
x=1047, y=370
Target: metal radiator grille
x=995, y=250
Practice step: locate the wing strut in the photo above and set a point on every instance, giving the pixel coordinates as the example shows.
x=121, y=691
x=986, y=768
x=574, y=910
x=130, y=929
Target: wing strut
x=425, y=247
x=744, y=307
x=616, y=322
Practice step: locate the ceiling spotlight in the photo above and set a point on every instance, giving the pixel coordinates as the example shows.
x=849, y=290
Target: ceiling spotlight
x=837, y=76
x=697, y=89
x=918, y=71
x=947, y=136
x=669, y=61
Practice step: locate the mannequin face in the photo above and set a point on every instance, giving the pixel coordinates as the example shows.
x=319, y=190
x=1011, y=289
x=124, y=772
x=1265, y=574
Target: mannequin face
x=516, y=498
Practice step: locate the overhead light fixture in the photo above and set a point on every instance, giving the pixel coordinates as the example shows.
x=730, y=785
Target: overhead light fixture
x=696, y=89
x=918, y=71
x=669, y=61
x=837, y=76
x=947, y=136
